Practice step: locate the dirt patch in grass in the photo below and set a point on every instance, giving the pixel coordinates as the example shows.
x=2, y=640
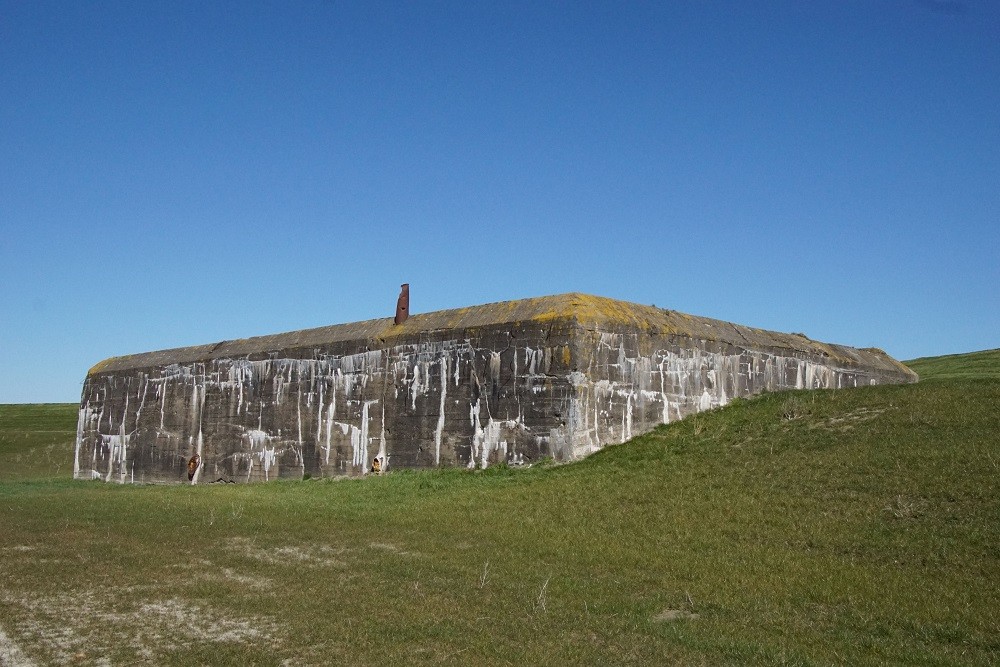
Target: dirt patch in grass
x=307, y=555
x=11, y=653
x=205, y=570
x=388, y=547
x=104, y=626
x=849, y=420
x=668, y=615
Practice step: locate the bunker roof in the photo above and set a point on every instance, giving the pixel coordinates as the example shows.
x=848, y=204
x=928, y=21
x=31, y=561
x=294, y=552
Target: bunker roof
x=587, y=311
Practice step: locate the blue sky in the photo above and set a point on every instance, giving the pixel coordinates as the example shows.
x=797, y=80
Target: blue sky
x=185, y=172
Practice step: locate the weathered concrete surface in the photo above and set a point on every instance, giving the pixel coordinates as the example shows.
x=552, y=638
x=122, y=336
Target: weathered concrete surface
x=558, y=376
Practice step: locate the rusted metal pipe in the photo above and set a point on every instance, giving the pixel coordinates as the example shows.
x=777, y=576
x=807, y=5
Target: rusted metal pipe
x=403, y=304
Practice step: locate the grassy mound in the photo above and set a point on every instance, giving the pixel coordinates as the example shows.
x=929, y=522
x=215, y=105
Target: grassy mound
x=830, y=527
x=975, y=365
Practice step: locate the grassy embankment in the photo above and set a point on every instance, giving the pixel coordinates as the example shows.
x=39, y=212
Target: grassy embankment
x=835, y=527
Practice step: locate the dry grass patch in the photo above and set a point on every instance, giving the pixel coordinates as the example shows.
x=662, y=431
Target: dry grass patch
x=303, y=555
x=115, y=627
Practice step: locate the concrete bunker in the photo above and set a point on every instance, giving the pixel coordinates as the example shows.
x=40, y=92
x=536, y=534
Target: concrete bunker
x=559, y=376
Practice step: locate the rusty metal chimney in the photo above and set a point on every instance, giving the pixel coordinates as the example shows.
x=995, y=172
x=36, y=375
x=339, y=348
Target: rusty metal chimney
x=403, y=304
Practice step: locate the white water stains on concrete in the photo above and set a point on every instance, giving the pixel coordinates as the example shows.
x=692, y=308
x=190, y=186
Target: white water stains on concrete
x=511, y=392
x=627, y=393
x=86, y=421
x=312, y=413
x=360, y=438
x=492, y=440
x=329, y=425
x=439, y=431
x=117, y=446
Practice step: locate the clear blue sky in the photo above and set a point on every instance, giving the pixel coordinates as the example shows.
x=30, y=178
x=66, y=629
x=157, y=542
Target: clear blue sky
x=178, y=173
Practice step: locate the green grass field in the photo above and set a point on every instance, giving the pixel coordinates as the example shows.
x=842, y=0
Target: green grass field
x=36, y=441
x=972, y=365
x=852, y=527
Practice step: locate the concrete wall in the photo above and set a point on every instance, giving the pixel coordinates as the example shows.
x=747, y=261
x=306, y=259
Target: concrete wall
x=558, y=376
x=632, y=381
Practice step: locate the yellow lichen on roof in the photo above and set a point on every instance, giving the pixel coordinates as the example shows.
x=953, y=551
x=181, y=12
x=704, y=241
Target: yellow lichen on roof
x=584, y=308
x=595, y=309
x=502, y=312
x=100, y=365
x=587, y=311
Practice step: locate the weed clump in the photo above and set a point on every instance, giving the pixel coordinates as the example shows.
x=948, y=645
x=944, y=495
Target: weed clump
x=794, y=407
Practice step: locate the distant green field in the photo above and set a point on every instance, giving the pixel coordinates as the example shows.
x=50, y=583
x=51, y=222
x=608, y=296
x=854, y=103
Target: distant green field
x=973, y=365
x=851, y=527
x=36, y=441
